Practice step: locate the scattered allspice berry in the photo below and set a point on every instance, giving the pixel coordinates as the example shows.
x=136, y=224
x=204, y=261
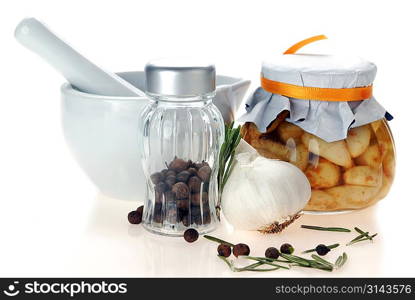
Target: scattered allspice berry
x=272, y=252
x=191, y=235
x=322, y=249
x=224, y=250
x=287, y=248
x=241, y=249
x=181, y=190
x=134, y=217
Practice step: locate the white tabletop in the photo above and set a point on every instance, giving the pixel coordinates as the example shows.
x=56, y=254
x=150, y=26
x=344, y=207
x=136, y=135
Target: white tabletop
x=58, y=226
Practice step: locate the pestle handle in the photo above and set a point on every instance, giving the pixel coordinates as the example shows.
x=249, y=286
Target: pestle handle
x=79, y=71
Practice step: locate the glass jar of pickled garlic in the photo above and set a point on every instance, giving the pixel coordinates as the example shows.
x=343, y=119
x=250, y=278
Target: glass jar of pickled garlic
x=319, y=113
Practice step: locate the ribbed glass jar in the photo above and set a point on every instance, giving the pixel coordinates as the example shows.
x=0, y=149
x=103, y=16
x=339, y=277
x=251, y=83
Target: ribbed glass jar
x=181, y=141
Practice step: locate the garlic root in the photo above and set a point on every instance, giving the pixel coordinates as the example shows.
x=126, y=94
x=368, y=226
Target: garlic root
x=277, y=227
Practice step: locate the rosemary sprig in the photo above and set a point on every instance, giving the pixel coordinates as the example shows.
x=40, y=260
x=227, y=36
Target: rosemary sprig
x=317, y=266
x=359, y=237
x=214, y=239
x=291, y=260
x=322, y=261
x=257, y=270
x=296, y=259
x=313, y=250
x=362, y=232
x=230, y=265
x=306, y=263
x=226, y=157
x=340, y=261
x=252, y=267
x=362, y=238
x=265, y=261
x=336, y=229
x=274, y=259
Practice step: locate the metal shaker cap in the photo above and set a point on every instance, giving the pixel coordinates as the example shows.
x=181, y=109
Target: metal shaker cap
x=180, y=77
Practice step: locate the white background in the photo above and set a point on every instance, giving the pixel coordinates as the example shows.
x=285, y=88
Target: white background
x=52, y=220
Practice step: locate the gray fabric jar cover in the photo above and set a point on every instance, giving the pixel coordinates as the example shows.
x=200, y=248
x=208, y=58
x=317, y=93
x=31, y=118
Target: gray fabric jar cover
x=326, y=119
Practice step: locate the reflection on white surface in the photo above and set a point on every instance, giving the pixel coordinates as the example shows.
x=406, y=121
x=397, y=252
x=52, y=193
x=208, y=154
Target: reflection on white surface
x=113, y=247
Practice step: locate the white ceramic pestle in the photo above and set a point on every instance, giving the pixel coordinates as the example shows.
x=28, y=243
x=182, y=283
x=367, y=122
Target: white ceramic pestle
x=79, y=71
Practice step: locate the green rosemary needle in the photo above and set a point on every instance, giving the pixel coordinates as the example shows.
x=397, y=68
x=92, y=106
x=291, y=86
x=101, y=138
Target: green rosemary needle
x=344, y=259
x=338, y=261
x=257, y=270
x=296, y=259
x=226, y=157
x=315, y=265
x=361, y=239
x=214, y=239
x=336, y=229
x=276, y=260
x=252, y=267
x=322, y=261
x=313, y=250
x=265, y=261
x=230, y=265
x=341, y=260
x=248, y=267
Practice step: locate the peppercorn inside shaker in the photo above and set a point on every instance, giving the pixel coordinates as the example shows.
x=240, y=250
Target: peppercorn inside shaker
x=182, y=134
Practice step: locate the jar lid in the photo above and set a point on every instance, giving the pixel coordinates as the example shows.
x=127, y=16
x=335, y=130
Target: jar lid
x=180, y=77
x=320, y=71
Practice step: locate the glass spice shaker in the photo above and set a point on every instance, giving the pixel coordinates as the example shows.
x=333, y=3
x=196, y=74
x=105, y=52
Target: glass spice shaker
x=182, y=133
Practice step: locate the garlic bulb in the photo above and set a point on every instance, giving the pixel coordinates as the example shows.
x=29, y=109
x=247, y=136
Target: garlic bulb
x=263, y=194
